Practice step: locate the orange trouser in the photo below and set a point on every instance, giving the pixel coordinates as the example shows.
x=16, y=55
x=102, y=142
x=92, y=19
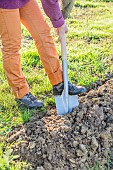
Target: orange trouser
x=10, y=32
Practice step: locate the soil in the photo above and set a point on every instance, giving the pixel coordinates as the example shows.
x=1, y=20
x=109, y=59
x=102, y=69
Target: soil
x=75, y=141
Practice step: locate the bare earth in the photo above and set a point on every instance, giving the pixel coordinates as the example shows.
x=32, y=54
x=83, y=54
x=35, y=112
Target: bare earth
x=74, y=141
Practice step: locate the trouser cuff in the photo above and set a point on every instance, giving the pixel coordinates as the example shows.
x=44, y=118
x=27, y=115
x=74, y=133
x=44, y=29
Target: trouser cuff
x=56, y=77
x=21, y=92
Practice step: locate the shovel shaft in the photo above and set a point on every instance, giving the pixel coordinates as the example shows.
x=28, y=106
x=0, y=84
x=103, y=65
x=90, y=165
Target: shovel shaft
x=63, y=48
x=65, y=68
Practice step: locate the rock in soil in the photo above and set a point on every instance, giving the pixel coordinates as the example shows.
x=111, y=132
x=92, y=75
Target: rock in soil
x=72, y=142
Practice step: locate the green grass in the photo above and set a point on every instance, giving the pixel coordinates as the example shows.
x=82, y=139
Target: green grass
x=90, y=48
x=98, y=165
x=7, y=160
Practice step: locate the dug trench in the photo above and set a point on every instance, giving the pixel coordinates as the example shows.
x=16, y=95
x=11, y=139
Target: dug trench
x=75, y=141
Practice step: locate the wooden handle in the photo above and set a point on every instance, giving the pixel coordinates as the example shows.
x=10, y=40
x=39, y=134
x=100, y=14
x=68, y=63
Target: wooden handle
x=63, y=47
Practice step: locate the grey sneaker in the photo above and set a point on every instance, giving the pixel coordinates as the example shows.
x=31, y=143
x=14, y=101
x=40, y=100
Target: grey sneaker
x=30, y=101
x=73, y=90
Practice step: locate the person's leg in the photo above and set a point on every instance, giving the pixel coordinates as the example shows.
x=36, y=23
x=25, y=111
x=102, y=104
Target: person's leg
x=10, y=32
x=34, y=21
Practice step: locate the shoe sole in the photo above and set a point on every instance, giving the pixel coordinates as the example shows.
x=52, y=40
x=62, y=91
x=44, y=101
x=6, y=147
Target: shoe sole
x=77, y=93
x=30, y=107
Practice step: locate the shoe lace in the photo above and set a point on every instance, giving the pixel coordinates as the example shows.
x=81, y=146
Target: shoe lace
x=31, y=97
x=71, y=86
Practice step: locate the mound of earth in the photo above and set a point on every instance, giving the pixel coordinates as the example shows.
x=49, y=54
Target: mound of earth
x=73, y=142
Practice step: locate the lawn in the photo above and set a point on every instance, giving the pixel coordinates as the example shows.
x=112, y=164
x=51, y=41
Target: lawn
x=90, y=56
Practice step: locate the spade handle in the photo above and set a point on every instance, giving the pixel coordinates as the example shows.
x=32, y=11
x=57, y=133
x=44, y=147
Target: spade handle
x=65, y=70
x=63, y=47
